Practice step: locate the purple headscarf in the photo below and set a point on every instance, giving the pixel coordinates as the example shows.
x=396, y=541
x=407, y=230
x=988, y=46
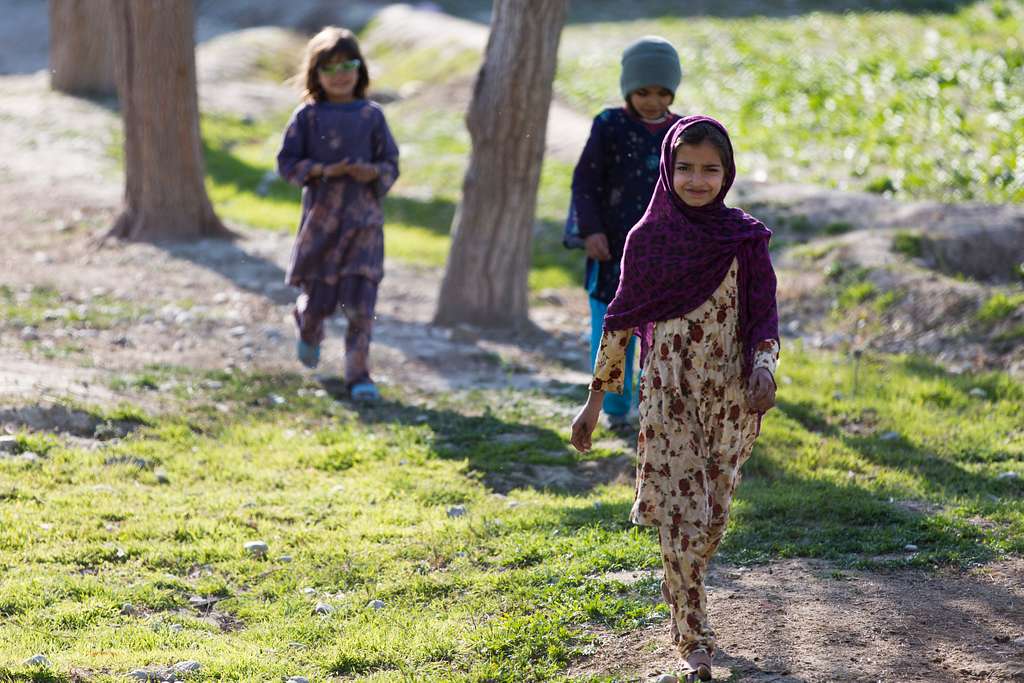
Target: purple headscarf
x=677, y=256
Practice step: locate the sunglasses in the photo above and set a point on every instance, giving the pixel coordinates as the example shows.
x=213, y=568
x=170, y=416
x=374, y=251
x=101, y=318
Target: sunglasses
x=348, y=65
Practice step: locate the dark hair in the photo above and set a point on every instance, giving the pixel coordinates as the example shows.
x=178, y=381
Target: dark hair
x=699, y=132
x=330, y=43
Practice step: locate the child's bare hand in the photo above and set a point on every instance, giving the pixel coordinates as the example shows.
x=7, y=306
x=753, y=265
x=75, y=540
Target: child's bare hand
x=583, y=426
x=596, y=246
x=337, y=169
x=760, y=391
x=363, y=173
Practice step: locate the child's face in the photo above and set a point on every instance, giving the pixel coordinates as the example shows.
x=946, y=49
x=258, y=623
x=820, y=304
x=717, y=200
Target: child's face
x=651, y=101
x=698, y=173
x=338, y=77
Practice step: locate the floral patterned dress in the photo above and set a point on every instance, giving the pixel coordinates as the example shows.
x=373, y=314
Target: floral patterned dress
x=695, y=433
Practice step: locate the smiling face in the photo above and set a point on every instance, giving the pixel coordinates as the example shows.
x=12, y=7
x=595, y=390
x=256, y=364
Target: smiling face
x=651, y=101
x=338, y=77
x=698, y=173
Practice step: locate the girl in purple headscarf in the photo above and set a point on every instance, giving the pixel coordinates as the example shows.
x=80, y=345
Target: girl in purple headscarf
x=698, y=288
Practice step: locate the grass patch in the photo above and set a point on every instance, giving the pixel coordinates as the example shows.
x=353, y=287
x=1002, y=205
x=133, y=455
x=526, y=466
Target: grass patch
x=357, y=499
x=999, y=307
x=907, y=243
x=46, y=307
x=919, y=105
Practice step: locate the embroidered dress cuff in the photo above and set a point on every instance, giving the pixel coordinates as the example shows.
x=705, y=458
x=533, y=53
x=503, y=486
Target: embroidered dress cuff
x=609, y=368
x=767, y=355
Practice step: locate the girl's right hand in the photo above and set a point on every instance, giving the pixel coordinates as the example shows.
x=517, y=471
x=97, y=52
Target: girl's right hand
x=336, y=169
x=585, y=422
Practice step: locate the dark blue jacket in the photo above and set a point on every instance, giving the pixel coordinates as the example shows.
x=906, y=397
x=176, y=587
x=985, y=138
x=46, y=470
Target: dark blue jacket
x=612, y=186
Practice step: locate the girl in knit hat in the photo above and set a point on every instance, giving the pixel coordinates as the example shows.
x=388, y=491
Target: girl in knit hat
x=615, y=177
x=697, y=286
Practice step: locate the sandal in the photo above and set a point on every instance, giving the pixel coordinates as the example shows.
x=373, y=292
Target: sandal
x=309, y=355
x=365, y=391
x=699, y=663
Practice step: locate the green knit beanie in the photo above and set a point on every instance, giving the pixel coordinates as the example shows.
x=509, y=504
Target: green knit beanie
x=650, y=61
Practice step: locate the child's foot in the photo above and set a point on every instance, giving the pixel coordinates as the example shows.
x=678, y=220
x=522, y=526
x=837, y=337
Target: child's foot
x=309, y=355
x=699, y=663
x=365, y=391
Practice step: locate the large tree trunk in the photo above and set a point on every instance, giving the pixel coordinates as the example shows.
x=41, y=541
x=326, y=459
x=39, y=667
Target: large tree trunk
x=165, y=198
x=81, y=54
x=485, y=282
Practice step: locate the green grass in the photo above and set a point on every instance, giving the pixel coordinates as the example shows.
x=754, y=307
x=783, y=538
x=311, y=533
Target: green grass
x=45, y=307
x=907, y=243
x=920, y=105
x=358, y=500
x=999, y=307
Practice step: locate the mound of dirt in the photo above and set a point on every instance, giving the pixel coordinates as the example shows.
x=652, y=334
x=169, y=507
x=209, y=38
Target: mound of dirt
x=59, y=419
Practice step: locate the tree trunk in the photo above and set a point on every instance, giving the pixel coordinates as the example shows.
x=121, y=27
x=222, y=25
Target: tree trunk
x=485, y=282
x=165, y=196
x=81, y=54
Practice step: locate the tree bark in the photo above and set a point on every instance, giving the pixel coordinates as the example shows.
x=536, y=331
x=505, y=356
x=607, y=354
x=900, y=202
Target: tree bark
x=81, y=54
x=485, y=282
x=165, y=195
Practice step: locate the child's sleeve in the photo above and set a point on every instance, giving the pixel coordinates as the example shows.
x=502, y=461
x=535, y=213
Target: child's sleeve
x=763, y=311
x=609, y=368
x=293, y=162
x=588, y=182
x=385, y=158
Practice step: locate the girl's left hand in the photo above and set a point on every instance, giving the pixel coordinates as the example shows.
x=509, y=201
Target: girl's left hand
x=760, y=391
x=363, y=173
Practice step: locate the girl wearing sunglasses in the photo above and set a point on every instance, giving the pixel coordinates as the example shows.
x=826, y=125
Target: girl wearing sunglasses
x=338, y=149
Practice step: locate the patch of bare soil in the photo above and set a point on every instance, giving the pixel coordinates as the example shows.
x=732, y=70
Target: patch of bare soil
x=802, y=620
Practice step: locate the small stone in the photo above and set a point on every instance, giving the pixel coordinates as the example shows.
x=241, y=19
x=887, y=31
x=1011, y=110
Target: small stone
x=297, y=679
x=457, y=511
x=322, y=608
x=175, y=628
x=128, y=610
x=257, y=548
x=186, y=667
x=889, y=436
x=1008, y=476
x=309, y=591
x=141, y=675
x=910, y=548
x=666, y=678
x=978, y=392
x=8, y=443
x=335, y=490
x=29, y=456
x=37, y=660
x=837, y=396
x=237, y=331
x=276, y=399
x=285, y=558
x=28, y=333
x=161, y=476
x=376, y=604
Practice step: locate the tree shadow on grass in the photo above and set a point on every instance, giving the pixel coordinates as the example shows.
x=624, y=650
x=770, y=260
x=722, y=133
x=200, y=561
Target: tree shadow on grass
x=507, y=454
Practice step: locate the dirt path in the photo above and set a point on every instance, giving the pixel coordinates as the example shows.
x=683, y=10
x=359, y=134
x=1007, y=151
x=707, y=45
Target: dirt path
x=803, y=621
